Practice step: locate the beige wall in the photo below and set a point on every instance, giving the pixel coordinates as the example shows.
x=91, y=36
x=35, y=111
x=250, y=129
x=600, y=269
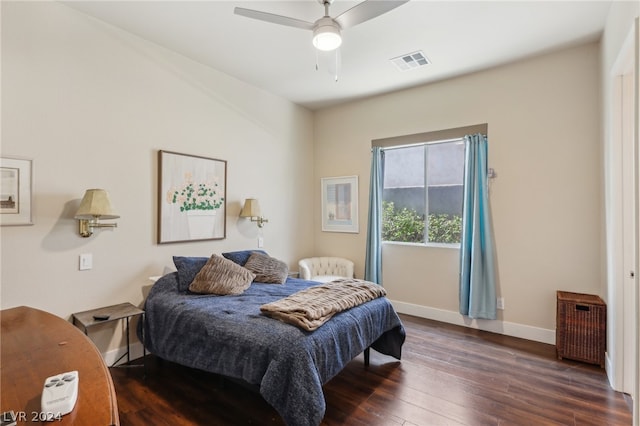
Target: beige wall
x=92, y=105
x=543, y=116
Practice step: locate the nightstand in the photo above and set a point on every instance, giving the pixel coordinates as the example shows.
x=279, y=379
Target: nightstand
x=115, y=312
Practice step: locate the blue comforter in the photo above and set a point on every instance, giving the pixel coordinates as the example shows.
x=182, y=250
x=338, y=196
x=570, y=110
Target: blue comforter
x=228, y=335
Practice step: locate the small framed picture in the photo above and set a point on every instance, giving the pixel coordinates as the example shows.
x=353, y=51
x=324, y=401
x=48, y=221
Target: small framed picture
x=340, y=204
x=191, y=200
x=15, y=192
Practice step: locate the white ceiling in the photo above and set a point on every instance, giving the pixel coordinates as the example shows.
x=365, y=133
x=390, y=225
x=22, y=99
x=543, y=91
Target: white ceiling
x=458, y=37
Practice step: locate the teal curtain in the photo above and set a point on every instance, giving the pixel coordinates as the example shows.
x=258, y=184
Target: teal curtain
x=477, y=266
x=373, y=259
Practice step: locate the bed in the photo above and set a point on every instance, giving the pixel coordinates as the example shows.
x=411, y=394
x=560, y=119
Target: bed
x=228, y=335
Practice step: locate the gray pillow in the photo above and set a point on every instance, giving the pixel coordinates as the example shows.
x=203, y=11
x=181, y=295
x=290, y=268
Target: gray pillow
x=267, y=269
x=241, y=256
x=221, y=276
x=188, y=268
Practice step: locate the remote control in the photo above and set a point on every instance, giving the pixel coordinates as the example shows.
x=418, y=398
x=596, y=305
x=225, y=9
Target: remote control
x=101, y=317
x=60, y=393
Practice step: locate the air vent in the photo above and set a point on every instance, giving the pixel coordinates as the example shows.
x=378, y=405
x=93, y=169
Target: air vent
x=410, y=61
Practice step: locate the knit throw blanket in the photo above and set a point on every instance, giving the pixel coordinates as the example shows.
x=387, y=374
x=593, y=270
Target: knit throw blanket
x=312, y=307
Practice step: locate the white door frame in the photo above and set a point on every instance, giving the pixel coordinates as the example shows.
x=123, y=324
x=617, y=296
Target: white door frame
x=622, y=181
x=636, y=318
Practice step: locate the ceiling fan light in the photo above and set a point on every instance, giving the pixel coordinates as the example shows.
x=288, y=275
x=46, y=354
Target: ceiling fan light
x=327, y=36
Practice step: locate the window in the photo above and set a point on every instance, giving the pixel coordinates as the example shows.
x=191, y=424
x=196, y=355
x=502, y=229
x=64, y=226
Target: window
x=422, y=194
x=423, y=185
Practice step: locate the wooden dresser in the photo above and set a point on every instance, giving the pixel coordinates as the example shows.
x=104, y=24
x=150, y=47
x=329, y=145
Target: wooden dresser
x=35, y=345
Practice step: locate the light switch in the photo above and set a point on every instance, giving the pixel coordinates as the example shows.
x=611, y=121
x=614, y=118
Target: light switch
x=86, y=261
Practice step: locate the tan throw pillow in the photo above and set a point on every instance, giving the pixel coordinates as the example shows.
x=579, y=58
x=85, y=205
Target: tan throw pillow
x=221, y=276
x=267, y=269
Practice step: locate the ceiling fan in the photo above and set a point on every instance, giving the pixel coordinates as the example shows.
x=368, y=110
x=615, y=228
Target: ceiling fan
x=326, y=30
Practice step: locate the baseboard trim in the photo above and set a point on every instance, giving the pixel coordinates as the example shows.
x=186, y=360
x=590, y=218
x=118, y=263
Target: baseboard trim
x=608, y=367
x=522, y=331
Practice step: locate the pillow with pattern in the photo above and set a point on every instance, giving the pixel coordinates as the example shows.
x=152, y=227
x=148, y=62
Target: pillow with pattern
x=267, y=269
x=241, y=257
x=221, y=276
x=188, y=268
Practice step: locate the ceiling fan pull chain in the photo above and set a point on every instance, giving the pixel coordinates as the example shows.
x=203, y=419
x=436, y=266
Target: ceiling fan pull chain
x=336, y=73
x=316, y=59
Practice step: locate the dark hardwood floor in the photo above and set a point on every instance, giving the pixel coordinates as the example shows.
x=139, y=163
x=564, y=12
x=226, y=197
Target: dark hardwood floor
x=448, y=375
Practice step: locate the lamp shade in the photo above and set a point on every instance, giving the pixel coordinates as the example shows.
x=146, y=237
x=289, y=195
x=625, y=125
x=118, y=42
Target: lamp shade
x=251, y=208
x=95, y=203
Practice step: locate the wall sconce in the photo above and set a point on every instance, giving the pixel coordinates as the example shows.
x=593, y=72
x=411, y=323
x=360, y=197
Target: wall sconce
x=251, y=209
x=95, y=205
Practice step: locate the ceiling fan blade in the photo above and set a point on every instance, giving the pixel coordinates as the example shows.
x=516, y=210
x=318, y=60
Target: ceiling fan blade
x=366, y=10
x=275, y=19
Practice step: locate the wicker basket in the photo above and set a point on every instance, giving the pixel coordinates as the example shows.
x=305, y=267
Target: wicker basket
x=581, y=323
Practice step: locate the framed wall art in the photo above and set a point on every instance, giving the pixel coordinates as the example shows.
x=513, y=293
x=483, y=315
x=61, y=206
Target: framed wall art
x=340, y=204
x=191, y=198
x=15, y=191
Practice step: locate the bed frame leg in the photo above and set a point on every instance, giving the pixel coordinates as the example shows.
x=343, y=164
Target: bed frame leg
x=366, y=356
